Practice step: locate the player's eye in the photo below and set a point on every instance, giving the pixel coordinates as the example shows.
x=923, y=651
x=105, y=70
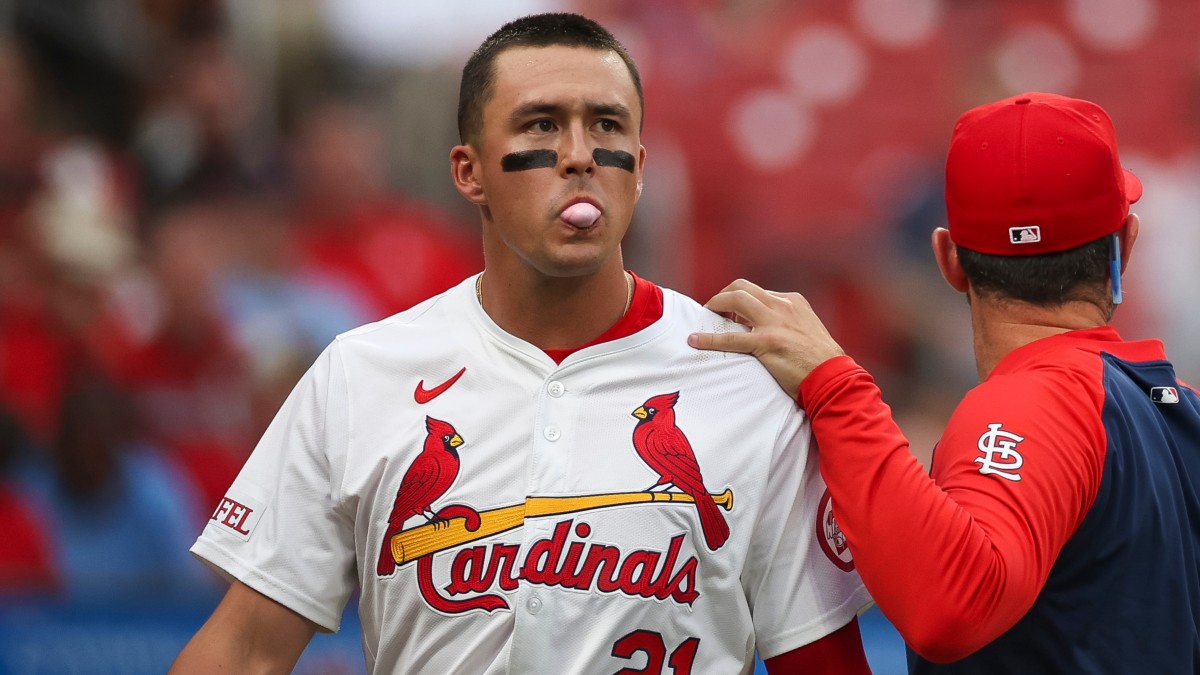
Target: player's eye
x=608, y=126
x=544, y=126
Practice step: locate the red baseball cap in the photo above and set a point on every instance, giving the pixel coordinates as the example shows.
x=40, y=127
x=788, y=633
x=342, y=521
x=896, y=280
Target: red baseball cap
x=1035, y=173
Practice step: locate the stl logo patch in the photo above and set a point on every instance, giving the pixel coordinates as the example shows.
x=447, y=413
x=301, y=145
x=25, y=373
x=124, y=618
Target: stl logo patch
x=1000, y=456
x=1164, y=394
x=1028, y=234
x=830, y=536
x=237, y=516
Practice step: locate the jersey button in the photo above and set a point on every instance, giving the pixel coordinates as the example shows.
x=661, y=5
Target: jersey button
x=552, y=433
x=533, y=604
x=556, y=389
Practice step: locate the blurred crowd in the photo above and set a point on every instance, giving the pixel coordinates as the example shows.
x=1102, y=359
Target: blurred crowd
x=175, y=249
x=196, y=196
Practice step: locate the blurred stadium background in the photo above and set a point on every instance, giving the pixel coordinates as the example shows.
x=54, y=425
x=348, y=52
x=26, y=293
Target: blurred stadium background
x=197, y=195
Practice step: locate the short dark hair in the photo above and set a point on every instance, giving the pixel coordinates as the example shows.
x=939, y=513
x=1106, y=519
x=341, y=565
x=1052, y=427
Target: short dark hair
x=1047, y=280
x=538, y=30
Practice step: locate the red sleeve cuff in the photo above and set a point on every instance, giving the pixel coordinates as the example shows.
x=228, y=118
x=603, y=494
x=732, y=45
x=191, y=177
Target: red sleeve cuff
x=815, y=388
x=839, y=653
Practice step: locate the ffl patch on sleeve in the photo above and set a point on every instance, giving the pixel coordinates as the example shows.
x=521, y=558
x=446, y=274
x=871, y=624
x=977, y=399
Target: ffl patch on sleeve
x=237, y=516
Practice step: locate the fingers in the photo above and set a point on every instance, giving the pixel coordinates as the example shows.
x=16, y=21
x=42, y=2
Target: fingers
x=748, y=304
x=745, y=287
x=741, y=301
x=742, y=285
x=785, y=334
x=752, y=305
x=741, y=343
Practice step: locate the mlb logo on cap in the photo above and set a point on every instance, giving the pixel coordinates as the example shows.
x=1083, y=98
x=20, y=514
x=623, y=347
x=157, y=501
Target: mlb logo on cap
x=1025, y=235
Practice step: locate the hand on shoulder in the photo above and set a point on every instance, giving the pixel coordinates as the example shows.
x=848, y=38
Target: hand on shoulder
x=785, y=333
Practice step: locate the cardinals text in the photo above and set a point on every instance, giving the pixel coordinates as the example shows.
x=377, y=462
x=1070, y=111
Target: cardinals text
x=479, y=573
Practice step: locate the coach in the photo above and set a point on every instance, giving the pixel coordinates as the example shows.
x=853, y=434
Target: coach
x=1060, y=527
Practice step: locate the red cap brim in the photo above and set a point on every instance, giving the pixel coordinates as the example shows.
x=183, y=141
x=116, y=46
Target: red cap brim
x=1133, y=186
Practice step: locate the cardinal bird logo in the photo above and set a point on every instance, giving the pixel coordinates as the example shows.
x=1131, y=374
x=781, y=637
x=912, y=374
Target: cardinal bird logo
x=427, y=479
x=665, y=449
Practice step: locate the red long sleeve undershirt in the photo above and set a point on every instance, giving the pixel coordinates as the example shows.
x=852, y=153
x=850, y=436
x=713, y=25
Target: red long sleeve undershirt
x=954, y=560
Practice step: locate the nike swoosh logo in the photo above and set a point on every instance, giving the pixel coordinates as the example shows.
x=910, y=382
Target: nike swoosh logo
x=423, y=395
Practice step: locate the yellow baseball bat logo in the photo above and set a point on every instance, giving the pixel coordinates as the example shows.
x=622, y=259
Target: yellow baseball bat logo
x=417, y=542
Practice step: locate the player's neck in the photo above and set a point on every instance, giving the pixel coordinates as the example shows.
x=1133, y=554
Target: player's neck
x=556, y=312
x=1000, y=326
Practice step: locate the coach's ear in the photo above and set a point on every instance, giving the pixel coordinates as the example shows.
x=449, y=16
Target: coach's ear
x=464, y=169
x=1129, y=234
x=946, y=254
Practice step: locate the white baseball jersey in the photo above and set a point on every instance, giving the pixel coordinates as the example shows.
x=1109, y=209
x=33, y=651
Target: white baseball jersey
x=643, y=505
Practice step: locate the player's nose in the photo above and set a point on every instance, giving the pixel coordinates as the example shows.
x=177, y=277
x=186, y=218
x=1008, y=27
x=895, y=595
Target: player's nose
x=575, y=153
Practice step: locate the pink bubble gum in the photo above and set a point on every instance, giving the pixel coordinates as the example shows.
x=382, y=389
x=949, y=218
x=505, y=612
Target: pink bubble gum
x=580, y=215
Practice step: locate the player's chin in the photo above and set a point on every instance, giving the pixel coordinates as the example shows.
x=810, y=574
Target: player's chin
x=592, y=247
x=577, y=261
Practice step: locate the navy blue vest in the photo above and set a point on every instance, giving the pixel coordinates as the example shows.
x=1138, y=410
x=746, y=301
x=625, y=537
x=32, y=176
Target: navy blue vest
x=1124, y=594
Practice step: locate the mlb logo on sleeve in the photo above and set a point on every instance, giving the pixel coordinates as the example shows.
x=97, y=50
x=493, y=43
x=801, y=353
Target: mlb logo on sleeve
x=1164, y=394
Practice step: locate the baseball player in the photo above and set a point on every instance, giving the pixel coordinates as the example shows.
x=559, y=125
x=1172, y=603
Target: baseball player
x=1060, y=532
x=532, y=472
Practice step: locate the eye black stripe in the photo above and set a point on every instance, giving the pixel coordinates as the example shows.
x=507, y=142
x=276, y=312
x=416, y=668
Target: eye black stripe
x=618, y=158
x=529, y=159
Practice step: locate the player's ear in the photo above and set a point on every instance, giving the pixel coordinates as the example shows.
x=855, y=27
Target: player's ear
x=1129, y=234
x=641, y=165
x=946, y=254
x=464, y=169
